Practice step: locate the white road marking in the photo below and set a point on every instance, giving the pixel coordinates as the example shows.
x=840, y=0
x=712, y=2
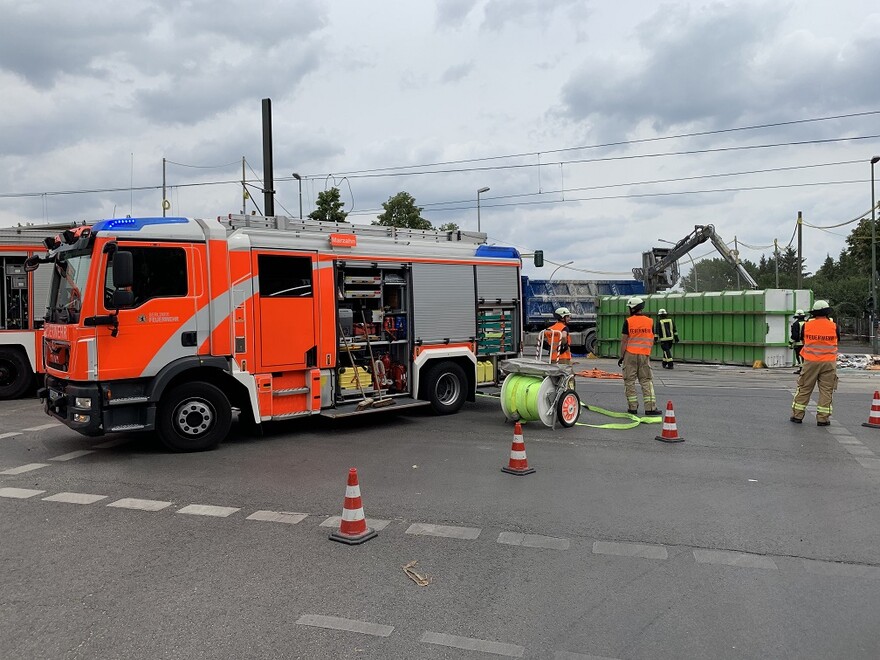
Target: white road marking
x=372, y=523
x=471, y=644
x=630, y=550
x=9, y=435
x=72, y=455
x=25, y=468
x=278, y=516
x=141, y=505
x=75, y=498
x=817, y=567
x=838, y=430
x=424, y=529
x=112, y=443
x=729, y=558
x=533, y=541
x=19, y=493
x=43, y=427
x=870, y=463
x=848, y=441
x=567, y=655
x=858, y=450
x=208, y=510
x=349, y=625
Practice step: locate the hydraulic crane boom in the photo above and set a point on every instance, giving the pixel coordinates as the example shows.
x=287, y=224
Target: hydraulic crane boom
x=659, y=269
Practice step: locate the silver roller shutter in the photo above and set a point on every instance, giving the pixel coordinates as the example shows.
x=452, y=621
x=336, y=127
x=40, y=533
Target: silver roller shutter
x=497, y=284
x=42, y=284
x=444, y=306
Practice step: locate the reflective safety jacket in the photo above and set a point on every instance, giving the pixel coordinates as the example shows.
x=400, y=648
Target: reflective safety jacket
x=559, y=349
x=641, y=334
x=797, y=333
x=820, y=340
x=666, y=331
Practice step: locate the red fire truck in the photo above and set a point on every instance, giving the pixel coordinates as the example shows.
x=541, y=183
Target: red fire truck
x=23, y=297
x=170, y=324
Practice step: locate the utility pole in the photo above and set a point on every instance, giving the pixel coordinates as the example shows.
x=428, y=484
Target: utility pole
x=164, y=198
x=736, y=252
x=800, y=259
x=244, y=192
x=776, y=259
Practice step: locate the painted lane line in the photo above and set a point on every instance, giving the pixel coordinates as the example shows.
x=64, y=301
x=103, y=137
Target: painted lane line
x=209, y=510
x=372, y=523
x=9, y=435
x=533, y=541
x=858, y=450
x=25, y=468
x=424, y=529
x=72, y=455
x=838, y=430
x=729, y=558
x=568, y=655
x=141, y=505
x=348, y=625
x=19, y=493
x=848, y=441
x=43, y=427
x=278, y=516
x=112, y=443
x=75, y=498
x=471, y=644
x=630, y=550
x=836, y=569
x=870, y=463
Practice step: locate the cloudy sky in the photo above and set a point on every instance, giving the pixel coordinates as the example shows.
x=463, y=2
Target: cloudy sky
x=599, y=127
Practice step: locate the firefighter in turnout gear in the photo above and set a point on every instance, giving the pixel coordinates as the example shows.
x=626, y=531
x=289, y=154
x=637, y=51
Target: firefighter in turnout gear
x=557, y=337
x=819, y=353
x=797, y=338
x=636, y=341
x=666, y=336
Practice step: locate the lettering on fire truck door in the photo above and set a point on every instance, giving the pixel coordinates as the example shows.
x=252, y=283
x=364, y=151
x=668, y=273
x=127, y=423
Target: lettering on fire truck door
x=286, y=310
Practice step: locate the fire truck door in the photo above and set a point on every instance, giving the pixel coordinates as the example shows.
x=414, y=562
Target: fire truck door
x=286, y=310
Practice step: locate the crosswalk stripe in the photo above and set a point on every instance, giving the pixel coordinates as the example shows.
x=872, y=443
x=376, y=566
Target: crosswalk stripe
x=25, y=468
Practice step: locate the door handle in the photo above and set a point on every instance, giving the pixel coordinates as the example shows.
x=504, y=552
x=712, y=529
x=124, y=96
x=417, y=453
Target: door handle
x=189, y=338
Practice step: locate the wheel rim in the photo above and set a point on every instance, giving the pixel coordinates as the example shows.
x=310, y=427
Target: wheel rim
x=569, y=408
x=8, y=373
x=448, y=389
x=194, y=418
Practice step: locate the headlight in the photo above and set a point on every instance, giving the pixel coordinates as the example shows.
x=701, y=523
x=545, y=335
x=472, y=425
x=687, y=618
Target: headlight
x=82, y=402
x=80, y=418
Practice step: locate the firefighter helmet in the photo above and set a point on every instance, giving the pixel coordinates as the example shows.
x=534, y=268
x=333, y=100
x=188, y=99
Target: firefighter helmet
x=821, y=308
x=800, y=312
x=562, y=312
x=662, y=312
x=635, y=303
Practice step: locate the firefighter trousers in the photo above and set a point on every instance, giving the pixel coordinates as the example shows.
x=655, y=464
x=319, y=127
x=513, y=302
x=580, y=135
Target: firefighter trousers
x=812, y=373
x=798, y=360
x=638, y=367
x=666, y=347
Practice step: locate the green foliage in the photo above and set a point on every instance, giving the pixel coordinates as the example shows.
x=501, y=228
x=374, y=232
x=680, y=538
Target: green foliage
x=449, y=226
x=401, y=211
x=328, y=207
x=716, y=275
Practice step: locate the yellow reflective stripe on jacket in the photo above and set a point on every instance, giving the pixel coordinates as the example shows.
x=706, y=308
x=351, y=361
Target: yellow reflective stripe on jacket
x=666, y=331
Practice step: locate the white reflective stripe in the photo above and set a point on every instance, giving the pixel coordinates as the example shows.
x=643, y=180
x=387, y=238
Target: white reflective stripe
x=668, y=427
x=518, y=455
x=352, y=491
x=350, y=515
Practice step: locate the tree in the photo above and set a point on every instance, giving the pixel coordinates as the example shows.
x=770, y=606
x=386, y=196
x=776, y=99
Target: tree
x=328, y=207
x=716, y=275
x=401, y=211
x=449, y=226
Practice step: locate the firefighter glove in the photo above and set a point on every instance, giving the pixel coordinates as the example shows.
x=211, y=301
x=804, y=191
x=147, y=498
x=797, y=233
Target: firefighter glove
x=620, y=362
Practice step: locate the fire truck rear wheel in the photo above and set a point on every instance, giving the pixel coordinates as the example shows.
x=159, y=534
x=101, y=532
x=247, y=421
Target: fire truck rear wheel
x=16, y=376
x=446, y=388
x=194, y=417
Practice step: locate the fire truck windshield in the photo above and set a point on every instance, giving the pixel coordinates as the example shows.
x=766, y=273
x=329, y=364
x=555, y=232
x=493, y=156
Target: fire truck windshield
x=68, y=284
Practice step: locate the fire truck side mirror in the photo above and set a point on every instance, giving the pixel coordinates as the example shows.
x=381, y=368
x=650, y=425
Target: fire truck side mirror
x=539, y=258
x=123, y=269
x=123, y=298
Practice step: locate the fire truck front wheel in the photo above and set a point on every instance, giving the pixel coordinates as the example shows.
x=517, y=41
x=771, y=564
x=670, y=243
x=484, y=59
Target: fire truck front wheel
x=446, y=388
x=194, y=417
x=16, y=376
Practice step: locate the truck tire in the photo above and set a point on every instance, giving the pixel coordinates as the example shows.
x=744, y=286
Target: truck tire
x=446, y=388
x=16, y=375
x=194, y=417
x=591, y=342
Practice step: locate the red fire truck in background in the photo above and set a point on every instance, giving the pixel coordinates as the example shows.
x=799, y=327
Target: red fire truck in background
x=23, y=297
x=169, y=324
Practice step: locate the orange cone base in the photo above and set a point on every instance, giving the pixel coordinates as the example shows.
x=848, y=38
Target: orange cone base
x=870, y=425
x=353, y=539
x=518, y=471
x=677, y=438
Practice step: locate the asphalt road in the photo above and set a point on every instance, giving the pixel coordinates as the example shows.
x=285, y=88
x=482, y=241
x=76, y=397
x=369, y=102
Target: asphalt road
x=753, y=538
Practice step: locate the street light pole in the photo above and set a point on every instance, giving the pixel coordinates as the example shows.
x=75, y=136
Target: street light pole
x=480, y=192
x=299, y=178
x=874, y=161
x=567, y=263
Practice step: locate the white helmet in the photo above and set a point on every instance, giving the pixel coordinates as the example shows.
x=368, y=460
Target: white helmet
x=635, y=301
x=562, y=311
x=662, y=312
x=800, y=312
x=820, y=305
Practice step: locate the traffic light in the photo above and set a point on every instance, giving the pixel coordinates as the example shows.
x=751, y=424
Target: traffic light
x=539, y=258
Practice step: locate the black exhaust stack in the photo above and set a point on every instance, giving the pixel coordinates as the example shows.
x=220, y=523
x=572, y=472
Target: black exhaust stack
x=268, y=167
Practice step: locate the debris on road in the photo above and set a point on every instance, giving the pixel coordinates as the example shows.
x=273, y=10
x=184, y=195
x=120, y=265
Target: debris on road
x=421, y=580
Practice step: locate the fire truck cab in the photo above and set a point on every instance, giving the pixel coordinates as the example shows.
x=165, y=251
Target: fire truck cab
x=172, y=324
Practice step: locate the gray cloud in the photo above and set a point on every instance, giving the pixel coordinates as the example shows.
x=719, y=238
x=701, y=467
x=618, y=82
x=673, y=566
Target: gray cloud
x=457, y=72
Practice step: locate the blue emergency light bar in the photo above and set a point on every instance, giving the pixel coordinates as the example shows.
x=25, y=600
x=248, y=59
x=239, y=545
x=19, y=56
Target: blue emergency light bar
x=136, y=224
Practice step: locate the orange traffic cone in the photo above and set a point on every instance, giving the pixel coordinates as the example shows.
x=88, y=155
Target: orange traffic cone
x=518, y=463
x=874, y=416
x=670, y=431
x=353, y=526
